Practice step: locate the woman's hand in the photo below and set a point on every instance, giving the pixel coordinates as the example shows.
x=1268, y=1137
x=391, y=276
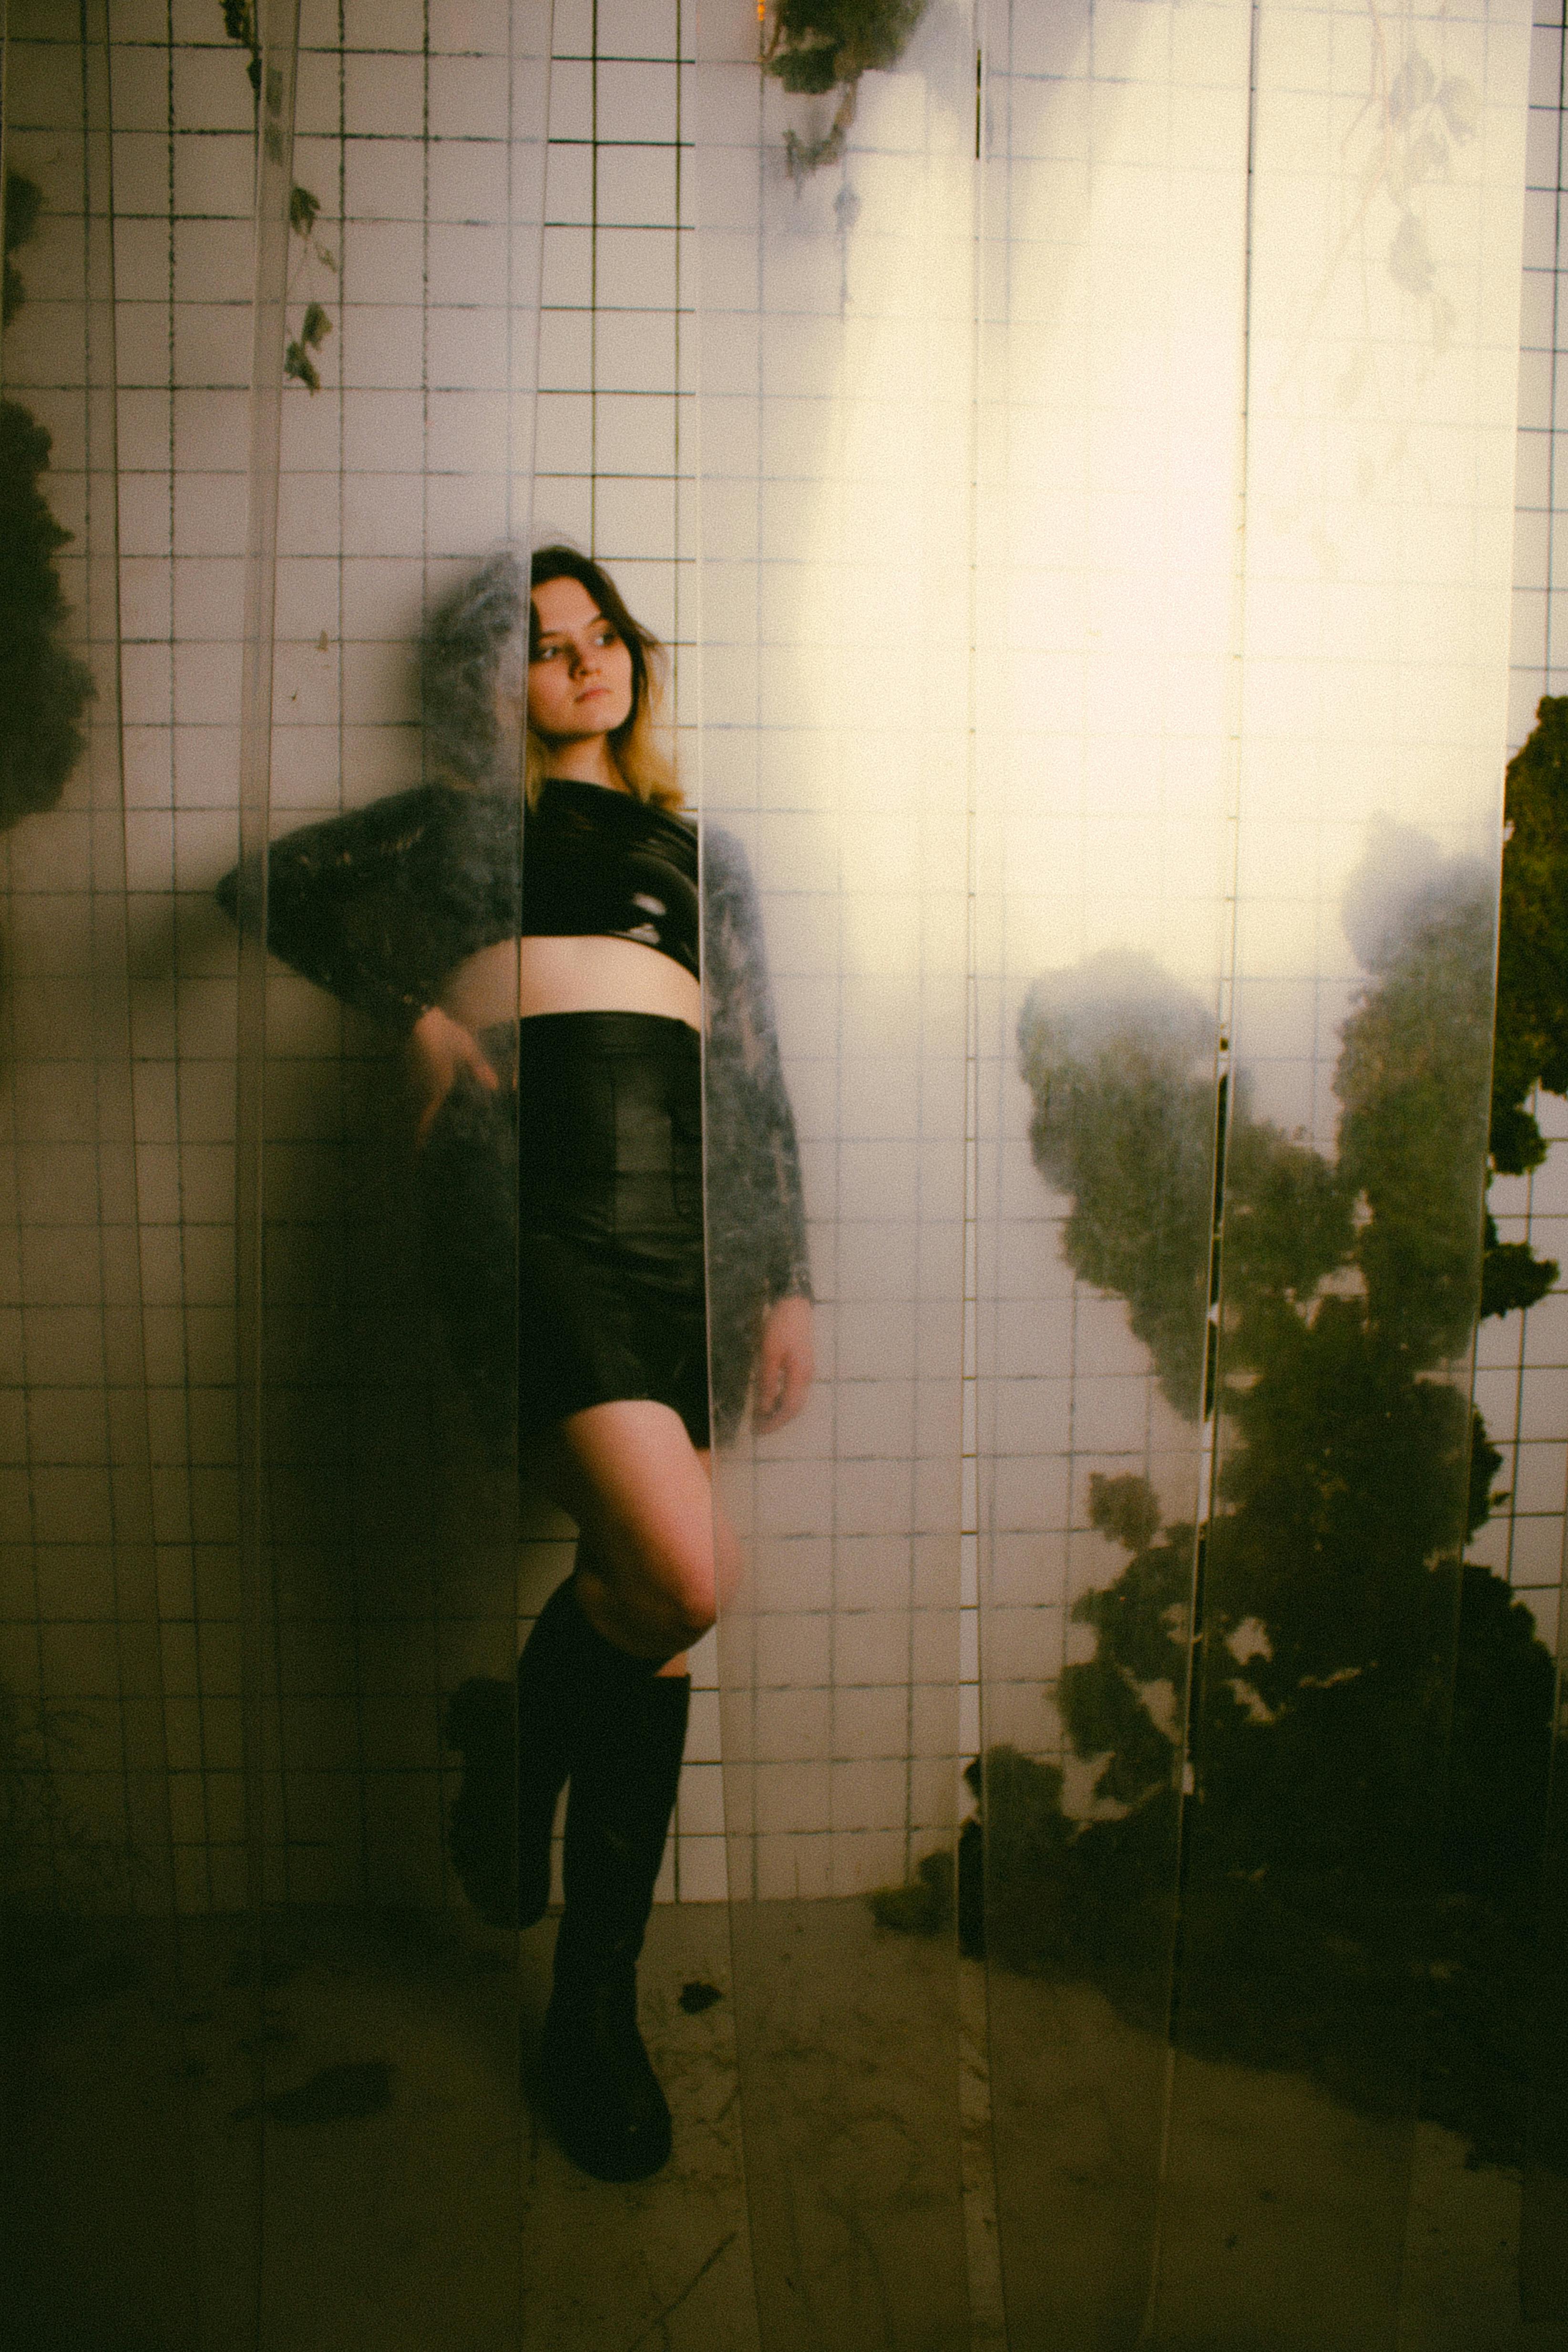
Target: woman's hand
x=438, y=1049
x=785, y=1365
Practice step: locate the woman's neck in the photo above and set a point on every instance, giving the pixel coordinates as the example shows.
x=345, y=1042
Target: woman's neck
x=584, y=763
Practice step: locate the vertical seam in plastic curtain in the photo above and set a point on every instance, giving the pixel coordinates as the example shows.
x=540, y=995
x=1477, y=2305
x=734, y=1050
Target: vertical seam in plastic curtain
x=278, y=29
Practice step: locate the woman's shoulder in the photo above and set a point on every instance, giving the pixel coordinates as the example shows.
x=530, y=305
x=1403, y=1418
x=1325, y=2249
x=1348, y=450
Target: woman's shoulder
x=725, y=864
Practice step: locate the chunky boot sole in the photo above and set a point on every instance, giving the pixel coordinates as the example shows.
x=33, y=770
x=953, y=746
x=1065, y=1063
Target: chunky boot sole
x=599, y=2090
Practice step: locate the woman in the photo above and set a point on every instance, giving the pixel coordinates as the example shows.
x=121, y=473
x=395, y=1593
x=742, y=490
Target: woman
x=553, y=1012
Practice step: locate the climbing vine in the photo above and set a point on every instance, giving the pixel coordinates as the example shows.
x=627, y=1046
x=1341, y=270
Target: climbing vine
x=312, y=253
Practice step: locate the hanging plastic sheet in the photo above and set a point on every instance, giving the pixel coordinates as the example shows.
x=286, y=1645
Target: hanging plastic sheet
x=834, y=226
x=1544, y=2231
x=1112, y=327
x=1385, y=231
x=97, y=2174
x=399, y=243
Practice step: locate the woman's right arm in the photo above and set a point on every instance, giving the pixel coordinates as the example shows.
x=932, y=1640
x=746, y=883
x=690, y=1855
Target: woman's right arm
x=354, y=903
x=379, y=904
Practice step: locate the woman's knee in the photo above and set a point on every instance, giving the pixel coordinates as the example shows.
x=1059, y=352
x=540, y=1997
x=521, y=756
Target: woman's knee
x=663, y=1576
x=676, y=1585
x=643, y=1498
x=702, y=1580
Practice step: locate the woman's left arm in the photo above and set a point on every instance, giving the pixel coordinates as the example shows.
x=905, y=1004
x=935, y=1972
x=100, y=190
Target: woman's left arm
x=747, y=1076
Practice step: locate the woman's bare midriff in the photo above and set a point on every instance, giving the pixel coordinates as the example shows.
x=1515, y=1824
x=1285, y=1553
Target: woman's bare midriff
x=516, y=979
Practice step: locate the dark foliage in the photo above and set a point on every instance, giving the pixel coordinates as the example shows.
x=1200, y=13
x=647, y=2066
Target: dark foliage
x=1511, y=1274
x=1532, y=951
x=1121, y=1069
x=1532, y=1042
x=1321, y=1926
x=43, y=688
x=23, y=202
x=819, y=45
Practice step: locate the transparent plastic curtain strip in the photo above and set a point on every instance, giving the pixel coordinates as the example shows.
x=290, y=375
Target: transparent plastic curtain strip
x=96, y=2175
x=1252, y=368
x=1387, y=174
x=1112, y=324
x=835, y=261
x=399, y=244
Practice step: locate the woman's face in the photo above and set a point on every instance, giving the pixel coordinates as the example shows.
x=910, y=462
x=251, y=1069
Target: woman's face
x=580, y=673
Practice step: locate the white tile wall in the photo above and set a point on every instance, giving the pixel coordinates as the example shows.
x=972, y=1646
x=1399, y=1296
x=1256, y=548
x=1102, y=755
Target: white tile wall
x=396, y=474
x=836, y=393
x=393, y=1581
x=78, y=1585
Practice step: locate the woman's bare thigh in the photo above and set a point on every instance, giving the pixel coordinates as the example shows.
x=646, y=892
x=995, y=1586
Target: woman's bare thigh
x=661, y=1557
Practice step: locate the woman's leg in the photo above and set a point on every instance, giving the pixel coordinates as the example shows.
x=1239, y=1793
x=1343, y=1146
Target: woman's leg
x=657, y=1557
x=650, y=1572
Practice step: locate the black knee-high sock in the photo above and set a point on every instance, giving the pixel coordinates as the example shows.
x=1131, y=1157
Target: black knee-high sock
x=514, y=1743
x=567, y=1676
x=625, y=1772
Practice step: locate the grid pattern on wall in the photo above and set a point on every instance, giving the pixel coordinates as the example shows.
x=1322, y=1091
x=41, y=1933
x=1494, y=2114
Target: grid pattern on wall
x=84, y=1712
x=1522, y=1359
x=614, y=470
x=1113, y=342
x=396, y=473
x=836, y=417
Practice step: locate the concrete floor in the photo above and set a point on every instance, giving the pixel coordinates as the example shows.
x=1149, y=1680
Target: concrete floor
x=404, y=2198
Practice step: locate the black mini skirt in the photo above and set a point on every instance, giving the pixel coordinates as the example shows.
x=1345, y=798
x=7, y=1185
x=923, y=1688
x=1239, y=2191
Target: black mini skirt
x=562, y=1220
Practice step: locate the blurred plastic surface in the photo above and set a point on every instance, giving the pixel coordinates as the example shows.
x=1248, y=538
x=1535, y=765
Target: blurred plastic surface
x=835, y=259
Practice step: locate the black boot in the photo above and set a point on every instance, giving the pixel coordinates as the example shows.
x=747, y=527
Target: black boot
x=599, y=2089
x=500, y=1821
x=545, y=1677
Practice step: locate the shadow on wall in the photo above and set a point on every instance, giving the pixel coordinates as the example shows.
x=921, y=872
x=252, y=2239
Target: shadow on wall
x=1319, y=1929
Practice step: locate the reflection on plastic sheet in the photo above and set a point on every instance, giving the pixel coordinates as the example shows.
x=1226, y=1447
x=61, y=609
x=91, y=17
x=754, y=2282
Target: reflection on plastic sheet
x=834, y=260
x=1087, y=551
x=94, y=1972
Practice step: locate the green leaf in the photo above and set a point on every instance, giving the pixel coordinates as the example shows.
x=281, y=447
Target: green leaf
x=297, y=363
x=303, y=208
x=315, y=327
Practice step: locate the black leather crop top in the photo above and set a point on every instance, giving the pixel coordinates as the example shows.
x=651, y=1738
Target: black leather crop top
x=379, y=905
x=598, y=862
